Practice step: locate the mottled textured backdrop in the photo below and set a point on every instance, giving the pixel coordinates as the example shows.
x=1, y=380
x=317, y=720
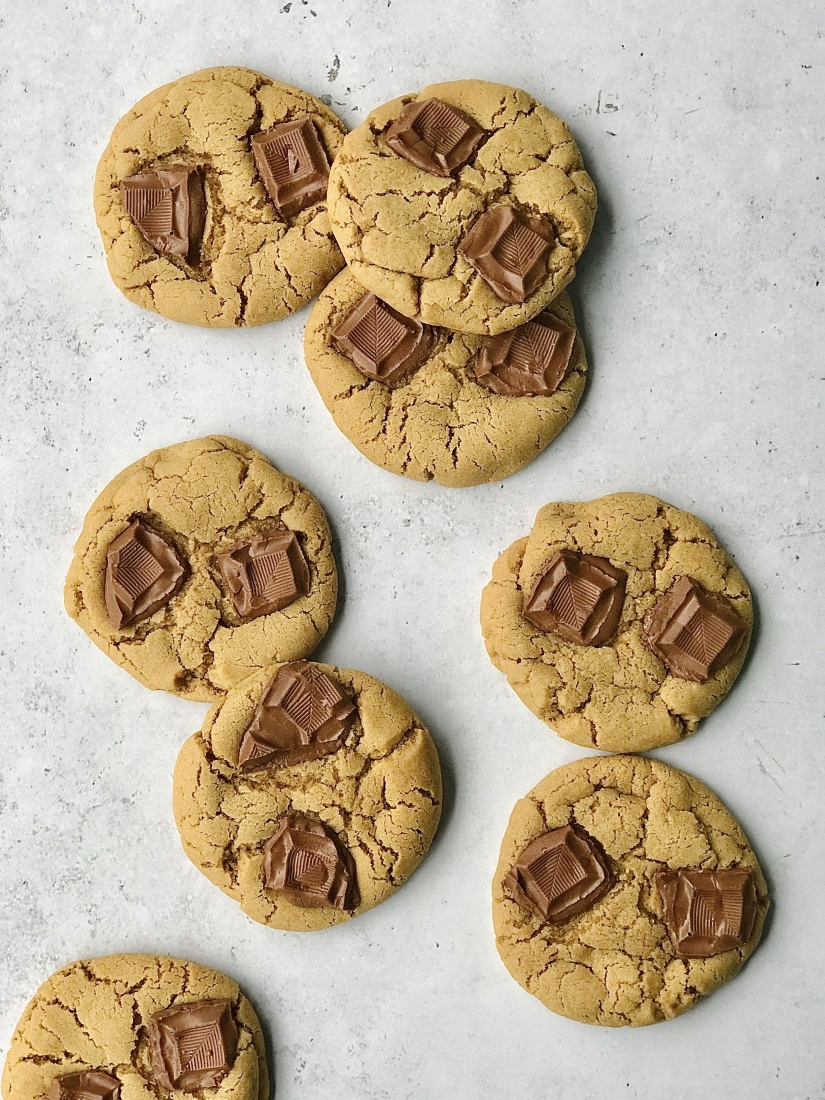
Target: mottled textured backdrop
x=700, y=301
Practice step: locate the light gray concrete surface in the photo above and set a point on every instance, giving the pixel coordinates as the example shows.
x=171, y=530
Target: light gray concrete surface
x=700, y=300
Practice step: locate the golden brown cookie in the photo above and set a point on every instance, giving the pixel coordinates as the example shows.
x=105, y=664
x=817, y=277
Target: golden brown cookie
x=200, y=563
x=519, y=204
x=309, y=796
x=617, y=693
x=442, y=422
x=631, y=954
x=249, y=259
x=140, y=1024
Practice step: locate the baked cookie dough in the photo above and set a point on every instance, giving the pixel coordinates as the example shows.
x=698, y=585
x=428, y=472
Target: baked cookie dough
x=677, y=911
x=309, y=796
x=212, y=562
x=257, y=261
x=440, y=423
x=127, y=1027
x=616, y=693
x=404, y=229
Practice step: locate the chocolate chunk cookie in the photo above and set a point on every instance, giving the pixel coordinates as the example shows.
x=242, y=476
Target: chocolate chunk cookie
x=620, y=622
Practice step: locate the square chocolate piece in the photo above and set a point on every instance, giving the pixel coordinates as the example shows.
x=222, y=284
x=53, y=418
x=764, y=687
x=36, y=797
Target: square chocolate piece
x=434, y=136
x=91, y=1084
x=695, y=632
x=580, y=597
x=193, y=1045
x=529, y=361
x=509, y=252
x=707, y=912
x=143, y=572
x=168, y=205
x=383, y=344
x=306, y=862
x=293, y=165
x=265, y=573
x=559, y=875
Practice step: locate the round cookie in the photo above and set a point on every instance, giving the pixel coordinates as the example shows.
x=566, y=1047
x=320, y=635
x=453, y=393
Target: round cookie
x=257, y=261
x=203, y=500
x=628, y=957
x=617, y=695
x=101, y=1017
x=373, y=789
x=402, y=228
x=442, y=423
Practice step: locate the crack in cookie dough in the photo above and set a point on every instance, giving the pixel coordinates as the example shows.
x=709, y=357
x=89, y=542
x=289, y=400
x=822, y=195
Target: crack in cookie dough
x=93, y=1015
x=381, y=793
x=617, y=697
x=203, y=495
x=442, y=425
x=254, y=267
x=399, y=226
x=614, y=964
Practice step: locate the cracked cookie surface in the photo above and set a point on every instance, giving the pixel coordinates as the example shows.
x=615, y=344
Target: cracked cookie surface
x=399, y=226
x=380, y=793
x=442, y=425
x=93, y=1015
x=617, y=697
x=254, y=266
x=203, y=495
x=614, y=964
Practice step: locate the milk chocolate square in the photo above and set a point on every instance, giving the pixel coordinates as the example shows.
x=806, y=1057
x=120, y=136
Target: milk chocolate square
x=168, y=205
x=91, y=1084
x=143, y=572
x=559, y=875
x=434, y=136
x=293, y=165
x=383, y=344
x=580, y=597
x=193, y=1045
x=265, y=573
x=529, y=361
x=307, y=863
x=695, y=632
x=509, y=251
x=707, y=912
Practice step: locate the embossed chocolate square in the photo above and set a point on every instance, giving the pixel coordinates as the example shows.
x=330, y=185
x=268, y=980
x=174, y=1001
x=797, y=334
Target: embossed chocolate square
x=382, y=343
x=303, y=715
x=707, y=912
x=193, y=1045
x=143, y=572
x=435, y=136
x=529, y=361
x=580, y=597
x=265, y=573
x=307, y=863
x=695, y=632
x=293, y=165
x=91, y=1084
x=168, y=205
x=509, y=252
x=559, y=875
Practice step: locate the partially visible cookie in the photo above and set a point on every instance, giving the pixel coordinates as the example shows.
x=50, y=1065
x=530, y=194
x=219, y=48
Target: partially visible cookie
x=459, y=410
x=620, y=622
x=200, y=563
x=127, y=1027
x=211, y=199
x=309, y=796
x=625, y=892
x=466, y=205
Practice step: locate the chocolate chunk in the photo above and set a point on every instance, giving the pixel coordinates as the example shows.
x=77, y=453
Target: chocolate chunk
x=193, y=1045
x=143, y=572
x=168, y=206
x=559, y=875
x=434, y=136
x=509, y=251
x=266, y=573
x=693, y=631
x=306, y=862
x=579, y=597
x=707, y=912
x=302, y=716
x=383, y=344
x=531, y=360
x=293, y=165
x=91, y=1084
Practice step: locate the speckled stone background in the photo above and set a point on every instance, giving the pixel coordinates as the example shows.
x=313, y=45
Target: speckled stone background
x=700, y=301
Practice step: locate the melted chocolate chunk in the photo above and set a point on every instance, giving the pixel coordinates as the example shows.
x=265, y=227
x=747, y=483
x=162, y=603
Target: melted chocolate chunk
x=266, y=573
x=531, y=360
x=306, y=862
x=693, y=631
x=302, y=716
x=293, y=165
x=559, y=875
x=383, y=344
x=168, y=205
x=434, y=136
x=91, y=1084
x=143, y=572
x=193, y=1045
x=509, y=252
x=707, y=912
x=579, y=597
